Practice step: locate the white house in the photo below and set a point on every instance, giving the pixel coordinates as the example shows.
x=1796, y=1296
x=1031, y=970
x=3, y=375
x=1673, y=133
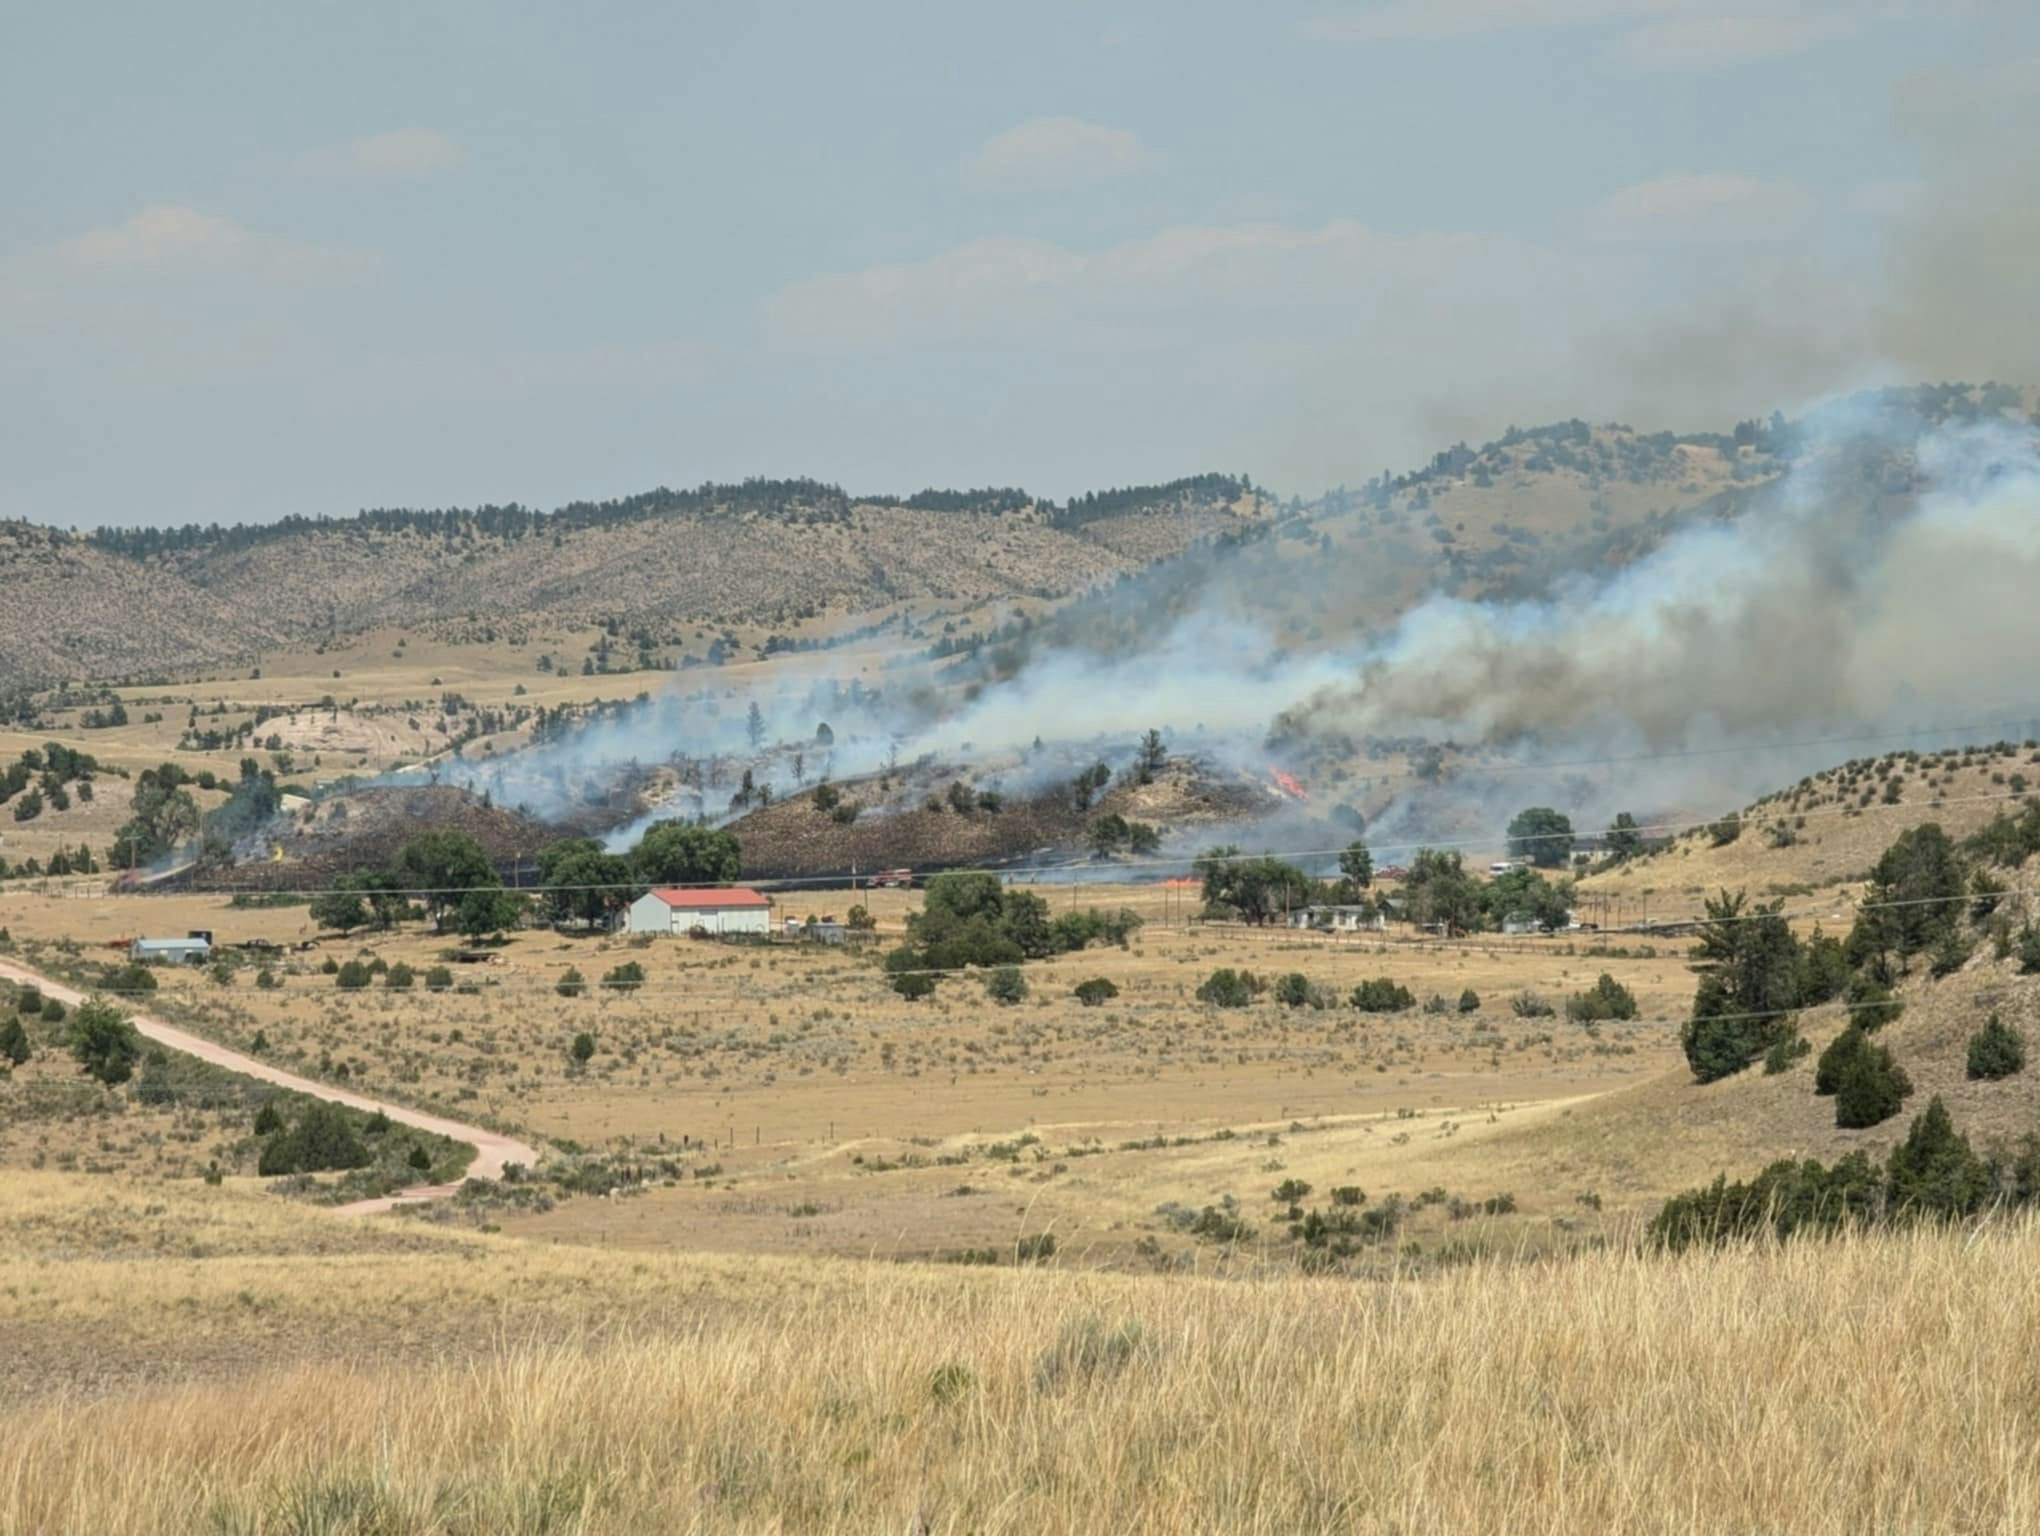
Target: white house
x=1338, y=919
x=718, y=910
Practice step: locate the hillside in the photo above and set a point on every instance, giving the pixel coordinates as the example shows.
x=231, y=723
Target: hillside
x=158, y=602
x=1805, y=842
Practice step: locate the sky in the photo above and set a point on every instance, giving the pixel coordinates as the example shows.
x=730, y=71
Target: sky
x=258, y=260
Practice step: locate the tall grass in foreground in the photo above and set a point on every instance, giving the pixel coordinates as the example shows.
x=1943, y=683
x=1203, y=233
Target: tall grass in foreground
x=1881, y=1383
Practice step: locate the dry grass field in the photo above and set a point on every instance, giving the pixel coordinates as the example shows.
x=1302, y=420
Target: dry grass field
x=281, y=1372
x=838, y=1117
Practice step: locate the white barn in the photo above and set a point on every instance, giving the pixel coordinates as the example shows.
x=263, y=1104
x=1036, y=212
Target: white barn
x=682, y=909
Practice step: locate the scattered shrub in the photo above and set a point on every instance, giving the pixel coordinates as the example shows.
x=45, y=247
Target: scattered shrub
x=323, y=1138
x=627, y=977
x=571, y=983
x=1098, y=989
x=1997, y=1050
x=1531, y=1005
x=1382, y=995
x=1872, y=1089
x=1228, y=988
x=1469, y=1001
x=1004, y=984
x=352, y=976
x=1606, y=999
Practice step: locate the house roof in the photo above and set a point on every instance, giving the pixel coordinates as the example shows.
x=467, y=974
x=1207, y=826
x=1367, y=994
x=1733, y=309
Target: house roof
x=703, y=899
x=173, y=943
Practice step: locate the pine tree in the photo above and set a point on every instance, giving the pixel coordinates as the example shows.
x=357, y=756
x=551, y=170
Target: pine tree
x=1933, y=1172
x=1996, y=1050
x=1873, y=1088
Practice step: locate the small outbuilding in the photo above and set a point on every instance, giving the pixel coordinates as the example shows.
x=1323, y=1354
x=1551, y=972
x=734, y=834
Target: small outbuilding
x=195, y=950
x=718, y=910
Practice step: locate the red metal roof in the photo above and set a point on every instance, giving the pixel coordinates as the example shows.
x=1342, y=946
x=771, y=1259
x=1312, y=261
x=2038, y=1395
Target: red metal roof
x=709, y=899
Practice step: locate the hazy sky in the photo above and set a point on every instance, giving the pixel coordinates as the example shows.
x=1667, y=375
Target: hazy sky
x=260, y=259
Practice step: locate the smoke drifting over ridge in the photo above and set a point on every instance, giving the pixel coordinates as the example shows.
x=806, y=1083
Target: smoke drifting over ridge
x=1880, y=594
x=1832, y=605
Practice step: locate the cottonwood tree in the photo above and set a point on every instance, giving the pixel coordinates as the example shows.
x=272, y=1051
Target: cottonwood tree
x=1543, y=836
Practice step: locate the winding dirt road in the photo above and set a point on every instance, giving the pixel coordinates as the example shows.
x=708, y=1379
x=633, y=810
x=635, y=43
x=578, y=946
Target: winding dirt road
x=492, y=1151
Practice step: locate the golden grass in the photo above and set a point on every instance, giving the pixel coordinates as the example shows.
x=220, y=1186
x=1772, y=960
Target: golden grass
x=1875, y=1384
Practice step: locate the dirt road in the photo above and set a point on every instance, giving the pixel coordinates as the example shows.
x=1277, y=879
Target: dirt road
x=492, y=1151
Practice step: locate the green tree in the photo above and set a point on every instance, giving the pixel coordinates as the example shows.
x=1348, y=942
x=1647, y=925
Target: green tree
x=1749, y=982
x=1439, y=891
x=754, y=726
x=1624, y=840
x=440, y=868
x=163, y=817
x=1098, y=989
x=1292, y=990
x=1525, y=894
x=583, y=1048
x=1933, y=1173
x=674, y=853
x=489, y=911
x=1835, y=1061
x=1543, y=836
x=571, y=983
x=14, y=1046
x=1996, y=1050
x=1256, y=890
x=104, y=1042
x=1153, y=753
x=341, y=909
x=1873, y=1088
x=1357, y=865
x=581, y=882
x=352, y=976
x=1914, y=899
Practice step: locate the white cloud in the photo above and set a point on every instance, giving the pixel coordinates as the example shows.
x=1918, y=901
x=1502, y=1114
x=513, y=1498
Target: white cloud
x=1687, y=209
x=1058, y=151
x=1657, y=36
x=171, y=240
x=402, y=154
x=1447, y=20
x=1146, y=289
x=1710, y=42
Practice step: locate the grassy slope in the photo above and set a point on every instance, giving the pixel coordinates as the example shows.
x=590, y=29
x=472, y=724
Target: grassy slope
x=1871, y=1384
